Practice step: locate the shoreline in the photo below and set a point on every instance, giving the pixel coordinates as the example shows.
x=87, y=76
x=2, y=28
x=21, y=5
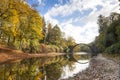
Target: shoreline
x=8, y=55
x=100, y=68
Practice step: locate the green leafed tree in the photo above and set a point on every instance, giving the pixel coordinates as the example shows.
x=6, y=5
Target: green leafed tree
x=54, y=35
x=108, y=39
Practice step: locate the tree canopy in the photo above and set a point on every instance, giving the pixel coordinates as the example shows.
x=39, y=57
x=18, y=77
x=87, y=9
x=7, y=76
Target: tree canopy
x=22, y=27
x=19, y=23
x=109, y=37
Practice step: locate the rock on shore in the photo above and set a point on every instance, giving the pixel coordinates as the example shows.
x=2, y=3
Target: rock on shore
x=100, y=69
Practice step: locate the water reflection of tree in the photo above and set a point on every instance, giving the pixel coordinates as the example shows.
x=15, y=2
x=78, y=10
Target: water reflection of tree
x=24, y=70
x=53, y=71
x=32, y=69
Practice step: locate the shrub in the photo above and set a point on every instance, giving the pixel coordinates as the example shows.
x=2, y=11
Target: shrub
x=115, y=48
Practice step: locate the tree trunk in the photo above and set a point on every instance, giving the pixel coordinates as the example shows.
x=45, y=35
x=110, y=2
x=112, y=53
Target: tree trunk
x=0, y=35
x=13, y=39
x=20, y=44
x=8, y=40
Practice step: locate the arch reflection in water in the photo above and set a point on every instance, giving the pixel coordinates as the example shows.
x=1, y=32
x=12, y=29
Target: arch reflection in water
x=36, y=69
x=82, y=57
x=77, y=68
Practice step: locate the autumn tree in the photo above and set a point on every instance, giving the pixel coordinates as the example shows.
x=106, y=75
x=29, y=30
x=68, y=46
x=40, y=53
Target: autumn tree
x=54, y=35
x=20, y=24
x=49, y=28
x=44, y=31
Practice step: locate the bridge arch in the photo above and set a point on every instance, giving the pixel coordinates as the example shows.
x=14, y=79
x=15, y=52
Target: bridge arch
x=92, y=48
x=71, y=53
x=81, y=45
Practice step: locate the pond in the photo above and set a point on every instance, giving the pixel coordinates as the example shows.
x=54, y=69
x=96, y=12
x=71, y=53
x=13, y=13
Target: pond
x=47, y=68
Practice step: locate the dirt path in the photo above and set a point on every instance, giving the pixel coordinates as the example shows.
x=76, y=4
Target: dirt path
x=8, y=55
x=100, y=68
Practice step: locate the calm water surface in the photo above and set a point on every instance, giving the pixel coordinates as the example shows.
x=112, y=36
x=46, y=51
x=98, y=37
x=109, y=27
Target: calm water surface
x=46, y=68
x=77, y=67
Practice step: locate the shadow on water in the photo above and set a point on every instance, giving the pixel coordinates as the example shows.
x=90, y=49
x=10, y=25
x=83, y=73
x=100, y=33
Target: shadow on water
x=47, y=68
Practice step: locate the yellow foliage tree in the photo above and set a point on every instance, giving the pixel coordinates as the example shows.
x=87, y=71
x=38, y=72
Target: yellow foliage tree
x=19, y=22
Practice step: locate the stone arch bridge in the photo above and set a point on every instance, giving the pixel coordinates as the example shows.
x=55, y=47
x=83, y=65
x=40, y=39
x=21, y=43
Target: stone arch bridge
x=93, y=50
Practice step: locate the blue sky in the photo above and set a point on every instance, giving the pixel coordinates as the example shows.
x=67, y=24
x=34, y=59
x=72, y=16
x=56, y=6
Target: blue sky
x=77, y=18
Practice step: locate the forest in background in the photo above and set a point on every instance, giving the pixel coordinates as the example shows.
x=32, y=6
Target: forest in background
x=108, y=40
x=23, y=28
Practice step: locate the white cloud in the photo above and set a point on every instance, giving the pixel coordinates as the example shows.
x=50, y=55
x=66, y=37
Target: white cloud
x=79, y=5
x=106, y=11
x=41, y=2
x=49, y=19
x=86, y=33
